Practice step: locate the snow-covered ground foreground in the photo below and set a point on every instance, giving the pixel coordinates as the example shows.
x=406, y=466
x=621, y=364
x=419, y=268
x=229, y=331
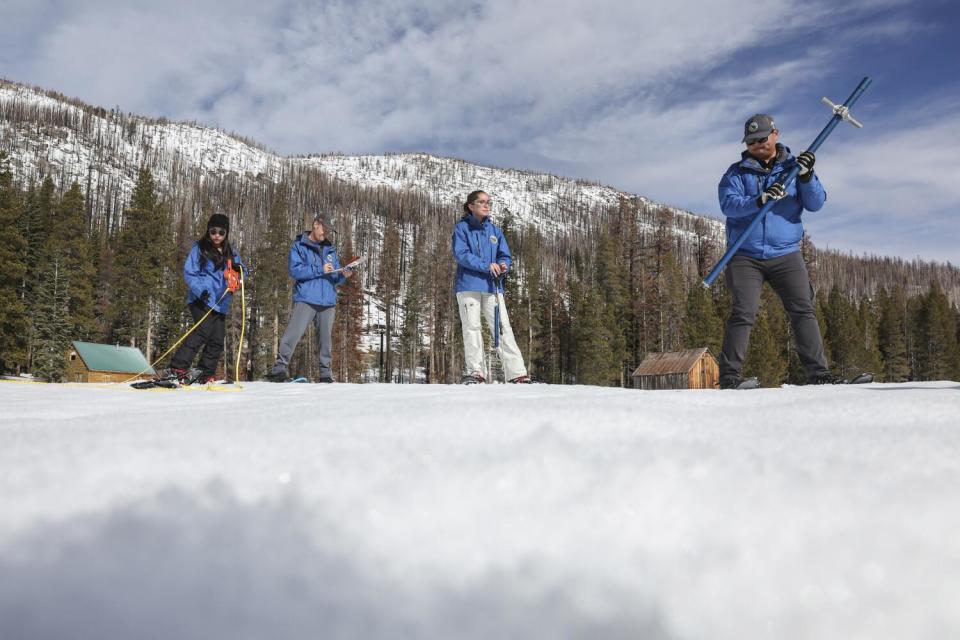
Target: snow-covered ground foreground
x=382, y=511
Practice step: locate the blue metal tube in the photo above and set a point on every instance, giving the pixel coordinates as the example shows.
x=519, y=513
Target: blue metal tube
x=496, y=314
x=791, y=175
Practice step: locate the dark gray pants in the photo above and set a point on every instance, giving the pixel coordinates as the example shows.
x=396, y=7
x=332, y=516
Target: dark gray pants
x=789, y=278
x=300, y=317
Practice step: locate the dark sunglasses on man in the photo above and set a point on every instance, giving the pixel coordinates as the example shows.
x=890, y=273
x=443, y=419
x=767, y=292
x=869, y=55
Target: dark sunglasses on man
x=750, y=143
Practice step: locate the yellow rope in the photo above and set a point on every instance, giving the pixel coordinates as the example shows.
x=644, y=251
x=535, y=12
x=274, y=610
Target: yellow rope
x=243, y=326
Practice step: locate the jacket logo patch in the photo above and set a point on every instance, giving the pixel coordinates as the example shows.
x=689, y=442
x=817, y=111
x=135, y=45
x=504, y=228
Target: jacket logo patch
x=330, y=258
x=493, y=239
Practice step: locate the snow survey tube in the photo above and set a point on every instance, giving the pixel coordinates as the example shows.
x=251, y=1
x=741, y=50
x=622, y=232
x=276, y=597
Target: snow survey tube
x=840, y=113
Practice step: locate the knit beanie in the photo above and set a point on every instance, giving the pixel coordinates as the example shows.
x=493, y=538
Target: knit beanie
x=218, y=220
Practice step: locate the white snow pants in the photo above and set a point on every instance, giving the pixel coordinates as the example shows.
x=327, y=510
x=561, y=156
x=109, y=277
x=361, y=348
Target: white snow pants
x=471, y=303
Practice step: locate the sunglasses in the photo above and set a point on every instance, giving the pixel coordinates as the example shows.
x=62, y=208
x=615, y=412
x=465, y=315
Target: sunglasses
x=217, y=231
x=750, y=143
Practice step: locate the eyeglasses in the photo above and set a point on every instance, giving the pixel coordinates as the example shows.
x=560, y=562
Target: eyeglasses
x=483, y=202
x=217, y=231
x=750, y=143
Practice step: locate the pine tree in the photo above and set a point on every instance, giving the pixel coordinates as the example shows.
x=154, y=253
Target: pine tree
x=413, y=308
x=843, y=335
x=610, y=281
x=271, y=299
x=39, y=257
x=388, y=287
x=13, y=311
x=937, y=349
x=51, y=322
x=79, y=269
x=141, y=257
x=765, y=354
x=349, y=323
x=702, y=327
x=868, y=324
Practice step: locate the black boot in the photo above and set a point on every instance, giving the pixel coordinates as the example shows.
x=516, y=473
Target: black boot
x=737, y=382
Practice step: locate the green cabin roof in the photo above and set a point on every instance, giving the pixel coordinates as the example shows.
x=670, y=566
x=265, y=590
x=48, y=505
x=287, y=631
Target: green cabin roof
x=107, y=357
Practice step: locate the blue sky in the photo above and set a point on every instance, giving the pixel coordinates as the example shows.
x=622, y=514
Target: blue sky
x=649, y=97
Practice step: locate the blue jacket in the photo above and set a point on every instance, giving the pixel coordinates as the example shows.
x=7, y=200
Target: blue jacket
x=475, y=245
x=305, y=265
x=208, y=278
x=781, y=230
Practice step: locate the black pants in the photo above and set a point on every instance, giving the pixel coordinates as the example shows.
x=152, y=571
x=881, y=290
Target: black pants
x=789, y=278
x=208, y=335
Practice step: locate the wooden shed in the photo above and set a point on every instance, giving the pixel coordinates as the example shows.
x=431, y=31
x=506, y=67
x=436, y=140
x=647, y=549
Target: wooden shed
x=690, y=369
x=89, y=362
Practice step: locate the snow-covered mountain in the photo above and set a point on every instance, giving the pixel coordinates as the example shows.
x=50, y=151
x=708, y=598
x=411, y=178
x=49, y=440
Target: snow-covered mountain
x=103, y=150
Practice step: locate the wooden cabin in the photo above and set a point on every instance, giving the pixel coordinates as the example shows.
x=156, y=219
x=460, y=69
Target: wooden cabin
x=690, y=369
x=89, y=362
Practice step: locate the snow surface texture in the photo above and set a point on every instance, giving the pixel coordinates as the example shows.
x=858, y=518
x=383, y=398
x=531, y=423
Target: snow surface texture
x=383, y=511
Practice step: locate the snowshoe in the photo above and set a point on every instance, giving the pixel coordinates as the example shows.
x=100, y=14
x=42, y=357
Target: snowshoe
x=198, y=376
x=521, y=380
x=166, y=379
x=155, y=384
x=473, y=378
x=740, y=383
x=829, y=378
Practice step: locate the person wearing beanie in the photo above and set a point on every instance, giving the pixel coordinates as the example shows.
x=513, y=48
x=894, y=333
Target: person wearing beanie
x=315, y=268
x=211, y=272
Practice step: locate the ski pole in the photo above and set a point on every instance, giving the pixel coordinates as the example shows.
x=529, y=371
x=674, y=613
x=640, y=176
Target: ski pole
x=840, y=112
x=497, y=329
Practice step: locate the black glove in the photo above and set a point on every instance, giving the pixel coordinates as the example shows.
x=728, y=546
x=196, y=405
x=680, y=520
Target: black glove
x=773, y=192
x=236, y=267
x=205, y=296
x=805, y=161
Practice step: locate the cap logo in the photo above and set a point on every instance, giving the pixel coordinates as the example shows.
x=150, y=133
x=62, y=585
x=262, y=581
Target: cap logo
x=753, y=126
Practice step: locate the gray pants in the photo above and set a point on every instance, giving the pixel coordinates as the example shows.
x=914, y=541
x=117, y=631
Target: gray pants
x=789, y=278
x=300, y=317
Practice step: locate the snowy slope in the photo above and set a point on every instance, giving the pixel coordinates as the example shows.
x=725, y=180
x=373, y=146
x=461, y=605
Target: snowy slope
x=381, y=511
x=103, y=150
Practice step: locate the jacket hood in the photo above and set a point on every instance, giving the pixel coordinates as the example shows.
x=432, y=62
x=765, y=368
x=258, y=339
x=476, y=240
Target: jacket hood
x=304, y=238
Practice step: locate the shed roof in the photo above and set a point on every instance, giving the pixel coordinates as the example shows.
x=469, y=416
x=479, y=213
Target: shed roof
x=108, y=357
x=658, y=364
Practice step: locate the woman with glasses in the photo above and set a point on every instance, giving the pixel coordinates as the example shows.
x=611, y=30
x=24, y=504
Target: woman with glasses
x=210, y=287
x=483, y=258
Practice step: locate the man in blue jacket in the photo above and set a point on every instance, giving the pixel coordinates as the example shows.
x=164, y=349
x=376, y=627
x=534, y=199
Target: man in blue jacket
x=482, y=257
x=772, y=251
x=314, y=265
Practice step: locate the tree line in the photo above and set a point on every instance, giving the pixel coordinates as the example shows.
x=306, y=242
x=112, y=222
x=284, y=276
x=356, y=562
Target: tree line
x=586, y=307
